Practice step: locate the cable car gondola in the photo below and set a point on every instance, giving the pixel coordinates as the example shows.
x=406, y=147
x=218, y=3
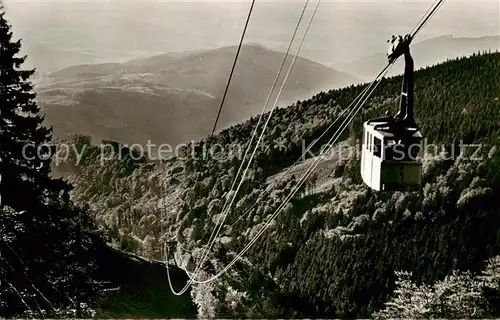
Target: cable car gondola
x=391, y=144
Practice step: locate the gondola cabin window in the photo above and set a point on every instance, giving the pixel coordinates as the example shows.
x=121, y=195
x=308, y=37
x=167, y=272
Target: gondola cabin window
x=377, y=147
x=368, y=142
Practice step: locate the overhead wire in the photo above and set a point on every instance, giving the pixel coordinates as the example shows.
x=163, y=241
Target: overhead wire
x=17, y=291
x=270, y=114
x=424, y=16
x=233, y=67
x=162, y=204
x=225, y=208
x=275, y=82
x=429, y=16
x=52, y=285
x=433, y=9
x=337, y=135
x=290, y=168
x=313, y=166
x=20, y=296
x=304, y=177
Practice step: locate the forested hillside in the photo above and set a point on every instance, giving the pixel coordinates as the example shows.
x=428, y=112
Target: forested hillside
x=47, y=267
x=335, y=249
x=53, y=261
x=425, y=53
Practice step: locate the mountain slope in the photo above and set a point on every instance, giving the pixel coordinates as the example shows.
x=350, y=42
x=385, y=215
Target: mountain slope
x=141, y=288
x=425, y=53
x=132, y=116
x=161, y=97
x=334, y=250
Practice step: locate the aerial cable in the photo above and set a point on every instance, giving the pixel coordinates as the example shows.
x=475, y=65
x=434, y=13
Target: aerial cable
x=424, y=16
x=28, y=280
x=309, y=171
x=275, y=82
x=273, y=108
x=249, y=145
x=275, y=182
x=423, y=20
x=304, y=177
x=254, y=134
x=316, y=162
x=429, y=16
x=283, y=175
x=233, y=67
x=360, y=96
x=31, y=282
x=20, y=296
x=226, y=208
x=162, y=204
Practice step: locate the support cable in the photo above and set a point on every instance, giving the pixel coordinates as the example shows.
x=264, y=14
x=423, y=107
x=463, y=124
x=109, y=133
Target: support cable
x=233, y=67
x=225, y=208
x=304, y=177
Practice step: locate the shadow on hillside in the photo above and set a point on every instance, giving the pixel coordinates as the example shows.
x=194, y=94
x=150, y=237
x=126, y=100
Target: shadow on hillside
x=144, y=289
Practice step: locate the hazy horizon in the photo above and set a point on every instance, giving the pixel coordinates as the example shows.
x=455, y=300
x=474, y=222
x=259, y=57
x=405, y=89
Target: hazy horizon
x=342, y=30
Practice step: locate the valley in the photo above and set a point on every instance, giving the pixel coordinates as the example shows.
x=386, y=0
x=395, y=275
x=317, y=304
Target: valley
x=271, y=215
x=335, y=230
x=171, y=90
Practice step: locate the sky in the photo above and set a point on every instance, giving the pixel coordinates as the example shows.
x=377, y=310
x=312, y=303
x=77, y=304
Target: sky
x=244, y=1
x=342, y=30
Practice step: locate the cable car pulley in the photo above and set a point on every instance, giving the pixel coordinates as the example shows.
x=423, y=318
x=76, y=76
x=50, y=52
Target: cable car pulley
x=391, y=144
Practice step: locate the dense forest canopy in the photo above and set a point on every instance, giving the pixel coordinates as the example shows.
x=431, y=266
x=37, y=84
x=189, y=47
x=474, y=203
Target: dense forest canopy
x=338, y=249
x=335, y=249
x=47, y=244
x=53, y=260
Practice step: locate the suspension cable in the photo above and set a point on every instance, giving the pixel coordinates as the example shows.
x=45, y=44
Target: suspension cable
x=265, y=106
x=162, y=204
x=304, y=177
x=290, y=168
x=424, y=16
x=358, y=98
x=429, y=16
x=275, y=182
x=335, y=136
x=27, y=278
x=313, y=166
x=226, y=210
x=210, y=242
x=266, y=123
x=233, y=67
x=423, y=20
x=226, y=207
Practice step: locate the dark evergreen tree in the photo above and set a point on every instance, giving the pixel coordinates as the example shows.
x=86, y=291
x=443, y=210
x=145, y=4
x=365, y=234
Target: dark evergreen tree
x=45, y=244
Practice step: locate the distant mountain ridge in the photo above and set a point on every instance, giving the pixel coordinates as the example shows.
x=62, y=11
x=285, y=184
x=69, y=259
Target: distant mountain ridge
x=174, y=97
x=201, y=62
x=425, y=53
